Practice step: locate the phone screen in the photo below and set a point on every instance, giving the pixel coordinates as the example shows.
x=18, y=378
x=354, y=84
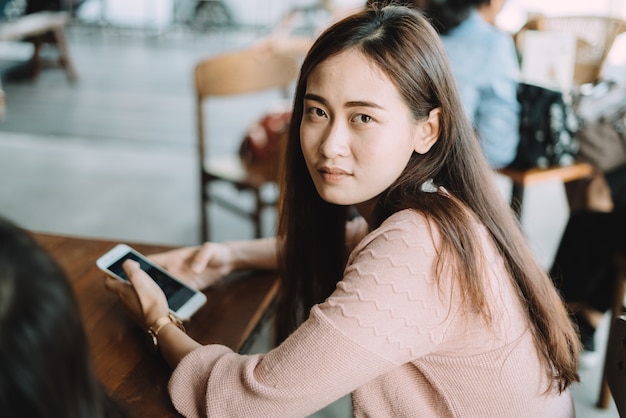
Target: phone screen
x=176, y=293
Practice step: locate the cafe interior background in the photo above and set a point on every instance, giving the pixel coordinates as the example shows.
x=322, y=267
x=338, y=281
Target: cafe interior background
x=112, y=154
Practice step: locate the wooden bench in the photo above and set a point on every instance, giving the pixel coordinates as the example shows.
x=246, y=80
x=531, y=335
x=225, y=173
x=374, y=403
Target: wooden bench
x=41, y=28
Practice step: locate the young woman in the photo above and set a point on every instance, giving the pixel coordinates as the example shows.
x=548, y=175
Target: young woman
x=45, y=367
x=429, y=304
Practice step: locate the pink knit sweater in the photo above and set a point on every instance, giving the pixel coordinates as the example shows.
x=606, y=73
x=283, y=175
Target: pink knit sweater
x=394, y=337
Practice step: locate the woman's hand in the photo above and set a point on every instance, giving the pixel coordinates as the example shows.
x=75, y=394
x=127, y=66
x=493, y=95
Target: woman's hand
x=142, y=298
x=200, y=266
x=145, y=302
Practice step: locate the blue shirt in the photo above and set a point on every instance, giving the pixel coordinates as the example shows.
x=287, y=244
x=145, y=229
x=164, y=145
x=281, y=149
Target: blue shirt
x=484, y=62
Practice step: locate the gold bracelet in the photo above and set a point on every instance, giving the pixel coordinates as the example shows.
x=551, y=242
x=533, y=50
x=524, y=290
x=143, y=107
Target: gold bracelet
x=157, y=326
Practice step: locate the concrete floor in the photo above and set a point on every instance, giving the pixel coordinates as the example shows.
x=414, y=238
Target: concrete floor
x=68, y=167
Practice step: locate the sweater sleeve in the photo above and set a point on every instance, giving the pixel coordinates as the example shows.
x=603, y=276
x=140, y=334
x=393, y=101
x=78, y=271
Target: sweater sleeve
x=315, y=366
x=386, y=311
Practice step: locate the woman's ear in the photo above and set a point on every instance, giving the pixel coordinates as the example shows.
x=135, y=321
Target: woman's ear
x=428, y=131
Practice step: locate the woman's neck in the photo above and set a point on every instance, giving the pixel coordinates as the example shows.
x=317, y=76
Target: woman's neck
x=370, y=211
x=490, y=11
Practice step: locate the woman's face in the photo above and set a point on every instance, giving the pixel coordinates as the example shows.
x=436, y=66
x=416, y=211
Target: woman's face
x=357, y=134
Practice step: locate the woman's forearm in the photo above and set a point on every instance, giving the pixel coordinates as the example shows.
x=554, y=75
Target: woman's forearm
x=174, y=344
x=254, y=254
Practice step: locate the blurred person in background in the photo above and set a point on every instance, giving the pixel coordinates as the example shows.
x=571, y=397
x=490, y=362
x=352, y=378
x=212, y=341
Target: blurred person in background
x=485, y=66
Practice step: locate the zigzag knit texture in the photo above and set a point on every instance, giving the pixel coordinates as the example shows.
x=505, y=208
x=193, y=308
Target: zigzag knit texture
x=389, y=291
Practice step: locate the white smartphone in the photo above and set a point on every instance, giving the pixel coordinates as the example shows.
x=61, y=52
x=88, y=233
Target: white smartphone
x=182, y=300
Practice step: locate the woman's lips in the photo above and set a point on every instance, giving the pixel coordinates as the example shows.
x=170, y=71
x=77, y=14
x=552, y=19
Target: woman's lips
x=333, y=174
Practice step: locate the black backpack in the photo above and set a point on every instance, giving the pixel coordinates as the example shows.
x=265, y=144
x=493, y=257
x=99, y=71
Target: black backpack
x=547, y=128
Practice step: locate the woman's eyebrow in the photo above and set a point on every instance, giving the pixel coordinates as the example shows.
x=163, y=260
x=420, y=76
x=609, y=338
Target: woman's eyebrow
x=315, y=97
x=361, y=103
x=353, y=103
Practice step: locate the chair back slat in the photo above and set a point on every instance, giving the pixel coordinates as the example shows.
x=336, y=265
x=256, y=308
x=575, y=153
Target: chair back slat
x=239, y=73
x=243, y=72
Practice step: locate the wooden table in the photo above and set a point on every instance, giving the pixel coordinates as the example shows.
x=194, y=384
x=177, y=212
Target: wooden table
x=123, y=358
x=523, y=178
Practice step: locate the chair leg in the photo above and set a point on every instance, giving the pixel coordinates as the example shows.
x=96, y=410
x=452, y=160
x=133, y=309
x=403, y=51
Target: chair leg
x=35, y=61
x=204, y=216
x=616, y=310
x=65, y=60
x=256, y=216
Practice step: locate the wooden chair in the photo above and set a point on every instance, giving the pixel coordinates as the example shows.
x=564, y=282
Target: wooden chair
x=614, y=372
x=595, y=36
x=236, y=73
x=615, y=365
x=41, y=28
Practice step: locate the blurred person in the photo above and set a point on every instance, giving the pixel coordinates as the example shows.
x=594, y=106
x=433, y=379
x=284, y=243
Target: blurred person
x=486, y=69
x=430, y=303
x=45, y=365
x=584, y=269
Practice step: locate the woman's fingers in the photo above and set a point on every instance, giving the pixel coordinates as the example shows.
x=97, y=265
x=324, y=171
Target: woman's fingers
x=129, y=298
x=201, y=259
x=174, y=258
x=199, y=267
x=150, y=296
x=179, y=263
x=139, y=278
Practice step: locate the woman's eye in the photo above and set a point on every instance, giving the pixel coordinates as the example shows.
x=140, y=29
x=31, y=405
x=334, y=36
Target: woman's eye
x=362, y=118
x=316, y=112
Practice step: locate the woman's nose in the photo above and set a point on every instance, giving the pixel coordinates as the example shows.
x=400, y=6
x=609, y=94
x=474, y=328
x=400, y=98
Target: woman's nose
x=336, y=142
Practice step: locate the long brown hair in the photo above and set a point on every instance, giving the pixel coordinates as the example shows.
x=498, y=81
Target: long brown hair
x=311, y=232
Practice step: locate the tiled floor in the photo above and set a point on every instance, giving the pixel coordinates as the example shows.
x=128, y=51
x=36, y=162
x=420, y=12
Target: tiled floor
x=112, y=156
